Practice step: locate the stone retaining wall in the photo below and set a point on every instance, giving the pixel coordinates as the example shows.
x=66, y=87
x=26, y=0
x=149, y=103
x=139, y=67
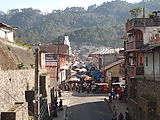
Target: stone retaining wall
x=13, y=85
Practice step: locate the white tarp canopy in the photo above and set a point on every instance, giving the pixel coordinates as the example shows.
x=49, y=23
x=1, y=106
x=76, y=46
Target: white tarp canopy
x=82, y=70
x=74, y=79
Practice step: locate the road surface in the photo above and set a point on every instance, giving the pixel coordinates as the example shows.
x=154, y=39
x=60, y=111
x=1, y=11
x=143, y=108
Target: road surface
x=82, y=106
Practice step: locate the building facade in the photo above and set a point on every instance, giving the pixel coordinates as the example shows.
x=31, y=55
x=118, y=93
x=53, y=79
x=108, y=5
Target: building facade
x=142, y=65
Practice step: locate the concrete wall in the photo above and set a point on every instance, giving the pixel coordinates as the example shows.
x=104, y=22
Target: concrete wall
x=114, y=72
x=8, y=35
x=150, y=34
x=152, y=71
x=13, y=84
x=108, y=59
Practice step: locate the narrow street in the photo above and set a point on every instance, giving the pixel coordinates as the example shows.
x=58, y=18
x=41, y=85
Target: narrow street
x=82, y=106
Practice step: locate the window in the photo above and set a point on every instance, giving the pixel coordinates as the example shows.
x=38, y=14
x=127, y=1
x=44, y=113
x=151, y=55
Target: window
x=146, y=60
x=141, y=63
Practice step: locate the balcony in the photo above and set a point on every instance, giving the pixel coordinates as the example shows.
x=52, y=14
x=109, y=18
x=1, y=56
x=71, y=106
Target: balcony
x=133, y=71
x=134, y=45
x=141, y=22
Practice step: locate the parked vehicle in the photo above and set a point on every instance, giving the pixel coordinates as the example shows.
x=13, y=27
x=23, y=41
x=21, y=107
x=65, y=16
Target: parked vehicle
x=102, y=87
x=118, y=84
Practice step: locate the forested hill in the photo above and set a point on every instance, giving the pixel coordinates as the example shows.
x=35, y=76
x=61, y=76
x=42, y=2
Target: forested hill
x=98, y=25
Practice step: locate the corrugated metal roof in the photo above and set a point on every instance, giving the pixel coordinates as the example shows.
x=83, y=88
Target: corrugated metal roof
x=108, y=51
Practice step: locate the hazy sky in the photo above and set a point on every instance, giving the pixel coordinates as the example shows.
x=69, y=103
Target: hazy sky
x=49, y=5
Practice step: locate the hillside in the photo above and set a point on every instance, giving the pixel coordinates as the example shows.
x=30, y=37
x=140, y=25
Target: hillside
x=98, y=25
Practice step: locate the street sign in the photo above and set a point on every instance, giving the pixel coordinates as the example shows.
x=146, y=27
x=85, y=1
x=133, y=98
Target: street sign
x=51, y=60
x=50, y=64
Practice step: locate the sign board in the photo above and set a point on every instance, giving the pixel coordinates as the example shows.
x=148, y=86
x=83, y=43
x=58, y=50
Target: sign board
x=51, y=57
x=51, y=60
x=50, y=64
x=152, y=35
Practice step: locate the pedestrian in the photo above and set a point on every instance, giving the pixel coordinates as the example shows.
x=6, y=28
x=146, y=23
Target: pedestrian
x=59, y=93
x=88, y=89
x=120, y=116
x=54, y=111
x=127, y=114
x=120, y=96
x=114, y=117
x=110, y=97
x=61, y=104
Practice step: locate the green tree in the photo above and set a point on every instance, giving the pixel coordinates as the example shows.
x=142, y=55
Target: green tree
x=135, y=12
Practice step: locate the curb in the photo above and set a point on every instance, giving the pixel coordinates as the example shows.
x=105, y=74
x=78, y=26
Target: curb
x=110, y=108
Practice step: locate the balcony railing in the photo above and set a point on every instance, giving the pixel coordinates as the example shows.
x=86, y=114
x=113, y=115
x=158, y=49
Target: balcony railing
x=141, y=22
x=134, y=45
x=133, y=71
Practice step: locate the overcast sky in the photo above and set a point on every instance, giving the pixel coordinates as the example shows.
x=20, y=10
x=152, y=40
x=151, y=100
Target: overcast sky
x=49, y=5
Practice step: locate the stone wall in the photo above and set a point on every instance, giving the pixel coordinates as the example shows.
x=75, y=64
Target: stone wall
x=150, y=88
x=21, y=110
x=13, y=85
x=147, y=97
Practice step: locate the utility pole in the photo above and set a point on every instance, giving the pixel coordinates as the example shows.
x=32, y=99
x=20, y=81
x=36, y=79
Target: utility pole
x=58, y=60
x=58, y=65
x=36, y=102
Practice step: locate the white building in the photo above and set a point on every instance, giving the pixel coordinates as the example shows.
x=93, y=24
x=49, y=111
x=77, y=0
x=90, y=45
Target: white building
x=6, y=32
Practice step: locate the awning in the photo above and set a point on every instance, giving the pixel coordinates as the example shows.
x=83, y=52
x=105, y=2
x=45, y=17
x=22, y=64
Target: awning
x=88, y=78
x=149, y=48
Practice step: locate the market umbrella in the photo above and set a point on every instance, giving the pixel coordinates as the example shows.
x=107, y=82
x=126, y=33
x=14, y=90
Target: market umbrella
x=82, y=70
x=73, y=72
x=73, y=79
x=88, y=78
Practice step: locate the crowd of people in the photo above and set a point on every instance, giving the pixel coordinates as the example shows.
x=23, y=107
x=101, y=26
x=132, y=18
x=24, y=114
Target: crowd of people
x=88, y=87
x=121, y=116
x=118, y=93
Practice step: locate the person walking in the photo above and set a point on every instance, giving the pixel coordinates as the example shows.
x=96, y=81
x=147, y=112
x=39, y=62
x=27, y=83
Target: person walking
x=127, y=114
x=114, y=117
x=61, y=104
x=121, y=117
x=110, y=97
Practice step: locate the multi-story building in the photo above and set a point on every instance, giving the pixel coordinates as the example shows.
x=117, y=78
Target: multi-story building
x=142, y=65
x=105, y=57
